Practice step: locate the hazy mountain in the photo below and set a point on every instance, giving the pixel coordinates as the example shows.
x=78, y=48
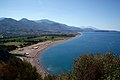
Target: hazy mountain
x=9, y=24
x=91, y=27
x=88, y=29
x=44, y=21
x=48, y=25
x=30, y=24
x=2, y=18
x=55, y=26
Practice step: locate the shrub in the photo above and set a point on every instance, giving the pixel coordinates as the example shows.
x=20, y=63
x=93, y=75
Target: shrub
x=100, y=67
x=15, y=69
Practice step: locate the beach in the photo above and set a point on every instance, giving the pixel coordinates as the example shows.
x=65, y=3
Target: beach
x=32, y=53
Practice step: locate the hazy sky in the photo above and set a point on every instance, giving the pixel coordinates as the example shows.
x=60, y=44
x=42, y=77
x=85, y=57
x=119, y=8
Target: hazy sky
x=102, y=14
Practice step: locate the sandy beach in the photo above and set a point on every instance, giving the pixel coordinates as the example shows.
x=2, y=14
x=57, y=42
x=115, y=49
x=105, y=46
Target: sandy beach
x=32, y=53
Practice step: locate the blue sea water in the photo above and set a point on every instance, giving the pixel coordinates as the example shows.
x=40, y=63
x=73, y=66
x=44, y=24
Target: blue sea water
x=59, y=58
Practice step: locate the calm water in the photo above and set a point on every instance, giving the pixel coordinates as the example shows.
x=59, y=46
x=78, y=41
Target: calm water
x=59, y=58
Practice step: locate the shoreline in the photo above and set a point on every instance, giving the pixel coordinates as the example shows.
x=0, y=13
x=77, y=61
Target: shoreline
x=54, y=43
x=36, y=50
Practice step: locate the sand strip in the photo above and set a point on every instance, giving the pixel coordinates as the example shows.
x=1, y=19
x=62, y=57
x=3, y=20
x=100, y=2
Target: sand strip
x=32, y=54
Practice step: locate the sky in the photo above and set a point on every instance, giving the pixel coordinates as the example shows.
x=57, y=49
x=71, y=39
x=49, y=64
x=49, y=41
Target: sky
x=102, y=14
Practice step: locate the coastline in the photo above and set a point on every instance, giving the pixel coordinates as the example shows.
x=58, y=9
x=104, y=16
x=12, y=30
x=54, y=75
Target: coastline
x=37, y=49
x=54, y=43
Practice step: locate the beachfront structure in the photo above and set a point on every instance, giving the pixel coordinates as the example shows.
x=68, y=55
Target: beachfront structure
x=36, y=47
x=26, y=53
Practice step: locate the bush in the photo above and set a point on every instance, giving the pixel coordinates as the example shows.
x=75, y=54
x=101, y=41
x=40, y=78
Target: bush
x=100, y=67
x=15, y=69
x=86, y=67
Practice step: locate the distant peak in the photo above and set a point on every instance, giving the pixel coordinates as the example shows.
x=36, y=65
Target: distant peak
x=45, y=21
x=24, y=19
x=2, y=18
x=88, y=27
x=7, y=19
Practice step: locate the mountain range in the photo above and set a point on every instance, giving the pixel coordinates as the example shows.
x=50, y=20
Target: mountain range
x=24, y=25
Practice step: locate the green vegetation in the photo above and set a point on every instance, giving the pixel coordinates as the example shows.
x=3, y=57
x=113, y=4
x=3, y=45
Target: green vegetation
x=12, y=43
x=86, y=67
x=100, y=67
x=15, y=69
x=12, y=68
x=25, y=40
x=7, y=48
x=90, y=67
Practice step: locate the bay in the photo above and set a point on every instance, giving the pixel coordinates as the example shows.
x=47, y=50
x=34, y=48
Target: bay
x=59, y=58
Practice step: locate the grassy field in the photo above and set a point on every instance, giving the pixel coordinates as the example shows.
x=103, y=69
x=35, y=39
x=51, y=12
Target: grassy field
x=23, y=41
x=12, y=43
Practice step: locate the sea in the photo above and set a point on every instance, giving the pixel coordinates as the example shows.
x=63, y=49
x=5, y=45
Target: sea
x=60, y=57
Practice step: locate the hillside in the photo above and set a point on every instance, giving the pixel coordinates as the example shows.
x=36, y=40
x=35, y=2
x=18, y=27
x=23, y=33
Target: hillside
x=9, y=24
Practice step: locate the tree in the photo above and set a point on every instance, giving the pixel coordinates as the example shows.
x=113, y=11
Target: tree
x=15, y=69
x=100, y=67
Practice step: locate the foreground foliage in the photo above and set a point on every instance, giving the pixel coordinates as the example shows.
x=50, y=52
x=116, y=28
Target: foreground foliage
x=90, y=67
x=15, y=69
x=100, y=67
x=86, y=67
